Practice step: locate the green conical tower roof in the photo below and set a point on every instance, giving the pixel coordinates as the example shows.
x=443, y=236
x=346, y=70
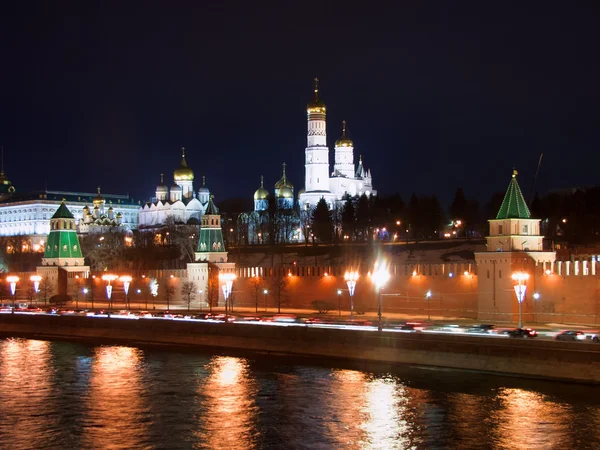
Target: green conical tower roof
x=514, y=205
x=63, y=212
x=211, y=208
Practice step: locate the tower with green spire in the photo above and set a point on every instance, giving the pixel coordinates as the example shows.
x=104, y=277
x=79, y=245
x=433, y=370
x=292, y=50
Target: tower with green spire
x=211, y=246
x=513, y=229
x=514, y=251
x=62, y=246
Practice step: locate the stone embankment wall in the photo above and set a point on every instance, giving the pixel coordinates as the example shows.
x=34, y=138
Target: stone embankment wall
x=579, y=362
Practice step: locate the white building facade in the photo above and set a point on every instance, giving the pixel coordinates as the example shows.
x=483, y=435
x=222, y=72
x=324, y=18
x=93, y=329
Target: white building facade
x=179, y=201
x=346, y=178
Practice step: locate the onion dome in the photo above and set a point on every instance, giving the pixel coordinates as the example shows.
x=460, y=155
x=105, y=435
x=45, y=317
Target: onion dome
x=344, y=141
x=261, y=193
x=183, y=172
x=162, y=187
x=316, y=106
x=119, y=215
x=203, y=188
x=98, y=199
x=285, y=192
x=300, y=192
x=86, y=209
x=284, y=182
x=176, y=187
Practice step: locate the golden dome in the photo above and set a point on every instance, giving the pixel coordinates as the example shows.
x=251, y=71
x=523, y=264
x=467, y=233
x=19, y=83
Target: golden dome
x=261, y=193
x=162, y=187
x=301, y=191
x=316, y=106
x=183, y=172
x=98, y=199
x=285, y=192
x=284, y=182
x=344, y=141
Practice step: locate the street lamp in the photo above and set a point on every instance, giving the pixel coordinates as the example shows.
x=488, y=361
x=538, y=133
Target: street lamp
x=380, y=277
x=13, y=280
x=228, y=279
x=108, y=278
x=85, y=293
x=36, y=282
x=339, y=292
x=428, y=297
x=351, y=278
x=520, y=288
x=265, y=292
x=126, y=280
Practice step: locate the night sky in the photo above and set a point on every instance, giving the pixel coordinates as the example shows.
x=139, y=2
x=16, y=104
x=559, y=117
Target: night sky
x=436, y=95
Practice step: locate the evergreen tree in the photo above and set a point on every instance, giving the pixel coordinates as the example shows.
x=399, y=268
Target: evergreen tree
x=363, y=217
x=348, y=218
x=459, y=207
x=322, y=223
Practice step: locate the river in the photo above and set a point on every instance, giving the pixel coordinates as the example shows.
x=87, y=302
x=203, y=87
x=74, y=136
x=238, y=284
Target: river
x=64, y=395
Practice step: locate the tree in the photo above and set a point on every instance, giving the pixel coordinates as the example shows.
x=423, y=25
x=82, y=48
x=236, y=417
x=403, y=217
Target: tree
x=363, y=217
x=322, y=223
x=188, y=292
x=348, y=218
x=46, y=289
x=256, y=283
x=212, y=288
x=280, y=282
x=168, y=294
x=459, y=207
x=106, y=251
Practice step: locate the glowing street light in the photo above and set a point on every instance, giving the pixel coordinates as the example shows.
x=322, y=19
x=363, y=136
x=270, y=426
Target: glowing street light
x=126, y=280
x=520, y=288
x=227, y=286
x=36, y=282
x=108, y=278
x=265, y=292
x=351, y=278
x=339, y=293
x=428, y=297
x=13, y=280
x=380, y=277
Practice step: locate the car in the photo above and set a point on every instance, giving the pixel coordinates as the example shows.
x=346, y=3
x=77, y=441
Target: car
x=285, y=318
x=595, y=339
x=483, y=328
x=571, y=335
x=523, y=333
x=411, y=326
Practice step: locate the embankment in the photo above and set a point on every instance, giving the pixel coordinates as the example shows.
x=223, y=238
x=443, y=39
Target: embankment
x=577, y=362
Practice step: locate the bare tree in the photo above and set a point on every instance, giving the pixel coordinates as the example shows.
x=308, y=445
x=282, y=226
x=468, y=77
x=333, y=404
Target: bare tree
x=188, y=292
x=168, y=294
x=46, y=289
x=212, y=288
x=280, y=282
x=256, y=283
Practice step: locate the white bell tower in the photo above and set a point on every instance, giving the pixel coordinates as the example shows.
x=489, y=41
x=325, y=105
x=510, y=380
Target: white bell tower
x=317, y=153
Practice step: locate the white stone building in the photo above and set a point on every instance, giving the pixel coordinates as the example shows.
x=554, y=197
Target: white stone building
x=180, y=201
x=345, y=178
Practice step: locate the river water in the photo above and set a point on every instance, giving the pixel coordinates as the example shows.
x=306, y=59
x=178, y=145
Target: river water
x=62, y=395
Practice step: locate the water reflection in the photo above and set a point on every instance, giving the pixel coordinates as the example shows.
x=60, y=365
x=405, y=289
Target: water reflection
x=26, y=375
x=229, y=417
x=116, y=413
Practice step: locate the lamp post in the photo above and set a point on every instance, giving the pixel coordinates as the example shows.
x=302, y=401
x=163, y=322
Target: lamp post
x=85, y=293
x=351, y=278
x=428, y=297
x=265, y=292
x=126, y=280
x=380, y=277
x=228, y=284
x=339, y=292
x=108, y=278
x=520, y=288
x=36, y=284
x=13, y=280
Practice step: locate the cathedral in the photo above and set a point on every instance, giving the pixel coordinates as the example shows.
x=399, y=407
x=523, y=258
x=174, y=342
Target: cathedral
x=346, y=178
x=179, y=201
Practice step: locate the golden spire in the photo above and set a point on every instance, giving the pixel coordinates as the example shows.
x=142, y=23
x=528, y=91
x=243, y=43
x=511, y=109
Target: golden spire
x=316, y=106
x=183, y=152
x=515, y=173
x=344, y=141
x=316, y=90
x=262, y=182
x=98, y=190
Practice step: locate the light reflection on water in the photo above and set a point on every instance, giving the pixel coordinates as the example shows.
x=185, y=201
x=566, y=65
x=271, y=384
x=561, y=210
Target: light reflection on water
x=65, y=395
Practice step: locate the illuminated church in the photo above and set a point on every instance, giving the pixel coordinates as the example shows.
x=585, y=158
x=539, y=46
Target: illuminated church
x=346, y=177
x=179, y=201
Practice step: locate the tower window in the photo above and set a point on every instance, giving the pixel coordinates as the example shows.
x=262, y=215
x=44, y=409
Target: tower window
x=499, y=229
x=525, y=229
